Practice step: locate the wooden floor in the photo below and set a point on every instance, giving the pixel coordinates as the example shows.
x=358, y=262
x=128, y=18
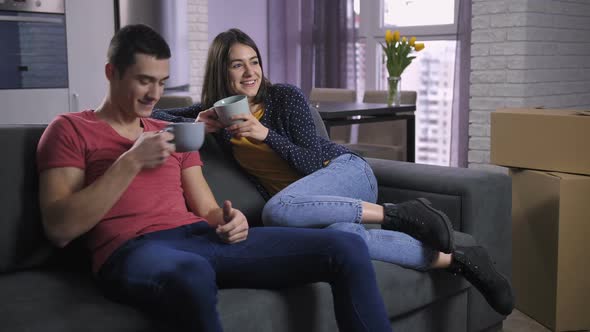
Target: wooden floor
x=519, y=322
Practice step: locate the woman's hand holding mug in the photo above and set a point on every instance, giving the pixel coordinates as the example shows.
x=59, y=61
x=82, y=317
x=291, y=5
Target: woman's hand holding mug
x=249, y=127
x=210, y=119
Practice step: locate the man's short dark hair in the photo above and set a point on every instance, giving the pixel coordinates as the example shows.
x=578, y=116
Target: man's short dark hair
x=133, y=39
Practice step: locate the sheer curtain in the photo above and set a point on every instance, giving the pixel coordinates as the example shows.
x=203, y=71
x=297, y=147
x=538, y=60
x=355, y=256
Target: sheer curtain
x=312, y=43
x=460, y=122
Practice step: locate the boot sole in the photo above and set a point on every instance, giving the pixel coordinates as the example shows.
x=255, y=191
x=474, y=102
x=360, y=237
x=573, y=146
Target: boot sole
x=447, y=222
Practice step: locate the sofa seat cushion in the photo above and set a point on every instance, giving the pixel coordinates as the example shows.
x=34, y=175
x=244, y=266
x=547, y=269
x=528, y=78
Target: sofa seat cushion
x=405, y=290
x=51, y=300
x=310, y=307
x=56, y=300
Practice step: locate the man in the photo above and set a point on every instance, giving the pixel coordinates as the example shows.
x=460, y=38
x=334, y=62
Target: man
x=112, y=177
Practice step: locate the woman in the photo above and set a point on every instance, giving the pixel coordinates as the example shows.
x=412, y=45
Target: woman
x=313, y=182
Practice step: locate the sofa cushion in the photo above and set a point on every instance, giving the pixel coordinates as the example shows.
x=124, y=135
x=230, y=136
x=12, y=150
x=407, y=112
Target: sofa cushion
x=52, y=300
x=320, y=126
x=228, y=182
x=60, y=300
x=22, y=243
x=310, y=307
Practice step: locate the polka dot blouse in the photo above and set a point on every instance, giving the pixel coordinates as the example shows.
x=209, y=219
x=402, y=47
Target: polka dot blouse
x=292, y=132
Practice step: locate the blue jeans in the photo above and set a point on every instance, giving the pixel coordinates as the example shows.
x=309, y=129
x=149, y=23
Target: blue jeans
x=332, y=197
x=174, y=274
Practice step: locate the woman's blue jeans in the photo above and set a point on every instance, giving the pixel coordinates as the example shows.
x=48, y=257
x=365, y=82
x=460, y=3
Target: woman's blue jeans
x=174, y=274
x=332, y=197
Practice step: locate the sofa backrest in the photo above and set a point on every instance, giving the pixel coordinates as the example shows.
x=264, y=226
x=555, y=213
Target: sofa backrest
x=228, y=182
x=22, y=241
x=320, y=127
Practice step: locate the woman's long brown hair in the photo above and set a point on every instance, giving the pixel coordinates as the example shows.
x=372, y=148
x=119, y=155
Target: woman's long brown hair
x=216, y=82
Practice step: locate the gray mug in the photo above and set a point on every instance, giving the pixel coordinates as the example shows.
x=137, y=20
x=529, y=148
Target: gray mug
x=187, y=136
x=230, y=106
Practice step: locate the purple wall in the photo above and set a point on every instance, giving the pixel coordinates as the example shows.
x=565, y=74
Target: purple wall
x=249, y=16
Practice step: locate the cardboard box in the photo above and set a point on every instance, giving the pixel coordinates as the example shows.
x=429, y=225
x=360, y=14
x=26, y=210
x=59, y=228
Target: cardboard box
x=551, y=247
x=544, y=139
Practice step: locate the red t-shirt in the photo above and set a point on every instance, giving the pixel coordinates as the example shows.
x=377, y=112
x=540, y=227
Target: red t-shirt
x=154, y=199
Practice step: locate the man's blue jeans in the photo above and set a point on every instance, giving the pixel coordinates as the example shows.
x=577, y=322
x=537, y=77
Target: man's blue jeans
x=174, y=274
x=332, y=197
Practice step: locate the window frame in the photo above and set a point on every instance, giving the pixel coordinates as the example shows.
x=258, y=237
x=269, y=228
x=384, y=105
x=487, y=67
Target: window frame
x=374, y=32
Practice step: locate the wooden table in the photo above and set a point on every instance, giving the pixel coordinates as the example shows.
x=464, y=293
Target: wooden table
x=345, y=113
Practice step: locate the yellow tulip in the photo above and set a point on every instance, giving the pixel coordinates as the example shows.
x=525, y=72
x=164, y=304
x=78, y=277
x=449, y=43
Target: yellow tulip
x=412, y=41
x=396, y=35
x=404, y=39
x=418, y=46
x=388, y=36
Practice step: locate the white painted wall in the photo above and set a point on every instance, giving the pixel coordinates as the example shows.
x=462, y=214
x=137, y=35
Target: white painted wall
x=88, y=36
x=525, y=53
x=32, y=106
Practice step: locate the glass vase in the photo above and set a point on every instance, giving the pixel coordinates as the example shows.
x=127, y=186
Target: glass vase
x=394, y=90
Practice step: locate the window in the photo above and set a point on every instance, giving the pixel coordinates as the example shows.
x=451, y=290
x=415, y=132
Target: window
x=416, y=13
x=431, y=74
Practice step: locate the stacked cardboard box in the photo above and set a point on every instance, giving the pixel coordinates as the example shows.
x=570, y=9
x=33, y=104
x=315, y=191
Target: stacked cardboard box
x=548, y=152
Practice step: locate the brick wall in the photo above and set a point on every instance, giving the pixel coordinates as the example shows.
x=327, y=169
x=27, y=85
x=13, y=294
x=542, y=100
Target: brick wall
x=525, y=53
x=198, y=16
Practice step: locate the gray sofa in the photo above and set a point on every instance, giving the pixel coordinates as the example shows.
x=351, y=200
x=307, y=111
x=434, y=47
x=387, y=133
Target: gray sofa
x=45, y=289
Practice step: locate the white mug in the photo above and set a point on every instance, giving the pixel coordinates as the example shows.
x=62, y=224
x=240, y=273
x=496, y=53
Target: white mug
x=230, y=106
x=188, y=136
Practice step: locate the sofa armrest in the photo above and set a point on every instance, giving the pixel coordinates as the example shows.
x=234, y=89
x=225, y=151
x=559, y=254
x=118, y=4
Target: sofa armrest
x=477, y=202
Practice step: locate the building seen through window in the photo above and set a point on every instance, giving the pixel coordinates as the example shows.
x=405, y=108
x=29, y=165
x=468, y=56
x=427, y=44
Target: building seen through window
x=431, y=74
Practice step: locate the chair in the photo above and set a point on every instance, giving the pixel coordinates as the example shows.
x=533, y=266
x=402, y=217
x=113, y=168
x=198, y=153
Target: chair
x=172, y=101
x=332, y=94
x=383, y=140
x=338, y=134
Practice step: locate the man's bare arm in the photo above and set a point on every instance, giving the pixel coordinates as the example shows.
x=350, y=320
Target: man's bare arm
x=199, y=197
x=231, y=223
x=69, y=209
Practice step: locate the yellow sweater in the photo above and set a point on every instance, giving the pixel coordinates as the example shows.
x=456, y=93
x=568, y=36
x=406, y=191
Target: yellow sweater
x=260, y=161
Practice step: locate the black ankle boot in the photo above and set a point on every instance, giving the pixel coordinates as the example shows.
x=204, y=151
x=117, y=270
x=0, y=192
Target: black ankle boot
x=475, y=265
x=421, y=221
